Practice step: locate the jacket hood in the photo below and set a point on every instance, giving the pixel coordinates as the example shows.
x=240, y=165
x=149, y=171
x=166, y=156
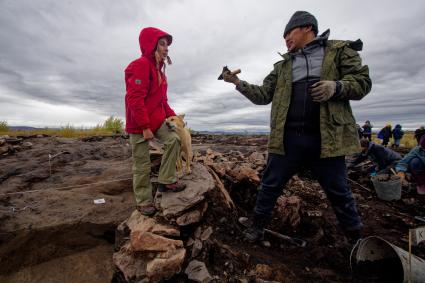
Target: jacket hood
x=148, y=40
x=322, y=38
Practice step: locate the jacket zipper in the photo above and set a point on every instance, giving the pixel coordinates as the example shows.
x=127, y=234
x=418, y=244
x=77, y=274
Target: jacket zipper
x=305, y=90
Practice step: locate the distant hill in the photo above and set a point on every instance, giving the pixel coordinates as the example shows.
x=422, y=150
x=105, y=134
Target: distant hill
x=27, y=128
x=22, y=128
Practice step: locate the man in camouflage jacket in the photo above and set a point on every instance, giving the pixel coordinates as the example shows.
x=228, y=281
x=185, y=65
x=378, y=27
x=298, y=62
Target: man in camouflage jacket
x=312, y=125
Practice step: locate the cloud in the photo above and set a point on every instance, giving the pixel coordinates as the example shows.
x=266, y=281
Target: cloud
x=67, y=58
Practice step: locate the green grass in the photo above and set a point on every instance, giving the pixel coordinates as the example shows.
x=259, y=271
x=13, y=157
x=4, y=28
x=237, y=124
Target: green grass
x=66, y=132
x=407, y=141
x=109, y=127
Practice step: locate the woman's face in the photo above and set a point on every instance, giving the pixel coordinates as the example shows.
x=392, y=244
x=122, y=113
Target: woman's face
x=162, y=48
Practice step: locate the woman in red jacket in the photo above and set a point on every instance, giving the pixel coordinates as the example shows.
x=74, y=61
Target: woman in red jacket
x=146, y=109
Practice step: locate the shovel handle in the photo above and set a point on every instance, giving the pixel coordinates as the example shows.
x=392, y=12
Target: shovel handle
x=235, y=72
x=295, y=241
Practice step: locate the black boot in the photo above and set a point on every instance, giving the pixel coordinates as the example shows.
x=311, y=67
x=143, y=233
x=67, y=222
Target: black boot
x=256, y=231
x=353, y=236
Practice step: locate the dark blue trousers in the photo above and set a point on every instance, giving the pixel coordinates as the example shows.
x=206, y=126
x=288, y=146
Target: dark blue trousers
x=303, y=151
x=417, y=167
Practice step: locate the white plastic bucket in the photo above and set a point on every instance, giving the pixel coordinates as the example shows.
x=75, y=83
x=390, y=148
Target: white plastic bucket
x=377, y=259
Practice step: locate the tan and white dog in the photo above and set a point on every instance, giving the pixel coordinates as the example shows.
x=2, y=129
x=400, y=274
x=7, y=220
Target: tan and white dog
x=177, y=124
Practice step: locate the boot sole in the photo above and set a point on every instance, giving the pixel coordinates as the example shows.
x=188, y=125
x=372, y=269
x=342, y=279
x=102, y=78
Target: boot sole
x=165, y=190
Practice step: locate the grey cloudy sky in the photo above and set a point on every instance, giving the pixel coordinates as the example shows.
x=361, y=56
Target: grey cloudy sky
x=63, y=61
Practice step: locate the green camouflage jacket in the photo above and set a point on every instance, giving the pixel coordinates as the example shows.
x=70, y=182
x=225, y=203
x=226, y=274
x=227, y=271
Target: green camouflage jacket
x=337, y=124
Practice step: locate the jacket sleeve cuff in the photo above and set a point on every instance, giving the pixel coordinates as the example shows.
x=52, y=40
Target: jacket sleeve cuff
x=339, y=89
x=145, y=126
x=242, y=86
x=400, y=168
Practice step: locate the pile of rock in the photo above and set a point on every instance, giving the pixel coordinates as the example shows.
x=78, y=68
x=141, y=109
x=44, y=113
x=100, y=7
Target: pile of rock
x=10, y=145
x=148, y=252
x=152, y=249
x=176, y=242
x=234, y=164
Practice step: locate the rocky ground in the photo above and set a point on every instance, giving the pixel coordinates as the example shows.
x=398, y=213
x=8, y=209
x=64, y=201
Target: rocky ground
x=51, y=229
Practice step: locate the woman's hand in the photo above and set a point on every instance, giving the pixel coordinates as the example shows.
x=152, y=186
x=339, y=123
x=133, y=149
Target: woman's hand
x=147, y=134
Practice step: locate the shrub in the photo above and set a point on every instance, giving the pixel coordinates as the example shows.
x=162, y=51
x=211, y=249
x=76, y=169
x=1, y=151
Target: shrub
x=4, y=127
x=68, y=131
x=113, y=124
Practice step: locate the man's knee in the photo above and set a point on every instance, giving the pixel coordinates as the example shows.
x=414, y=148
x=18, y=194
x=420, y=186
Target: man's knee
x=141, y=165
x=173, y=138
x=417, y=165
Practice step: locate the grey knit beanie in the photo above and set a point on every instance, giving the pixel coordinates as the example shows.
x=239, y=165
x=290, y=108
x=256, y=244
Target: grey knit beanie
x=301, y=19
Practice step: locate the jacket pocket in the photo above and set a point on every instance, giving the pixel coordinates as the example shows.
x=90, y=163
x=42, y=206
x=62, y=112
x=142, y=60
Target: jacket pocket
x=345, y=133
x=139, y=145
x=338, y=120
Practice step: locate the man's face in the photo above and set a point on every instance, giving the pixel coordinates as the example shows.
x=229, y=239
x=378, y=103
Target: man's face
x=297, y=38
x=162, y=47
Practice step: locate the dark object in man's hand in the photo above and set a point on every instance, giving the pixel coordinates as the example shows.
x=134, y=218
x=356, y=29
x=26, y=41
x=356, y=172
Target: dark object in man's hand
x=226, y=70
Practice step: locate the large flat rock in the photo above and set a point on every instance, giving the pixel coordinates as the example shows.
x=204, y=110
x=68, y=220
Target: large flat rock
x=198, y=184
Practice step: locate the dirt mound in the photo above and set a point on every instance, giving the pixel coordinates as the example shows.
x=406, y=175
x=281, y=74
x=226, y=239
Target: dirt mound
x=51, y=230
x=48, y=219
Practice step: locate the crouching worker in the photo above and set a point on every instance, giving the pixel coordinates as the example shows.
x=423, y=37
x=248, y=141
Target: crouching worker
x=414, y=162
x=311, y=119
x=146, y=110
x=383, y=158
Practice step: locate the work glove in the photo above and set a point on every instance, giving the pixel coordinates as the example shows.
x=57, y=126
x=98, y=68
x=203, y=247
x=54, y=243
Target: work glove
x=402, y=175
x=323, y=90
x=228, y=77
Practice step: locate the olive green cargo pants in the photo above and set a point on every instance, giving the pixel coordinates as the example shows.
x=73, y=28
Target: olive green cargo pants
x=142, y=186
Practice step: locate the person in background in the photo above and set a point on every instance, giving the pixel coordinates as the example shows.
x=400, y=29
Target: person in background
x=385, y=134
x=359, y=131
x=367, y=130
x=414, y=162
x=419, y=133
x=382, y=157
x=398, y=134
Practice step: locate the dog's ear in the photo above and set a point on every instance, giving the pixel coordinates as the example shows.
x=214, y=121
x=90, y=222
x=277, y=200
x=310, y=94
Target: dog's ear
x=182, y=116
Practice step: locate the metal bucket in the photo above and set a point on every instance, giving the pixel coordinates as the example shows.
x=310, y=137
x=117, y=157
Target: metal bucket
x=386, y=187
x=380, y=261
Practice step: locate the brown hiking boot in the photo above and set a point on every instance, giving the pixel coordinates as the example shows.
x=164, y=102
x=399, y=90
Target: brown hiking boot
x=174, y=187
x=147, y=210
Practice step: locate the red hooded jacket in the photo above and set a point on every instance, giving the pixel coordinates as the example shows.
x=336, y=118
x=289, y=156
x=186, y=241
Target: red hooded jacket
x=146, y=104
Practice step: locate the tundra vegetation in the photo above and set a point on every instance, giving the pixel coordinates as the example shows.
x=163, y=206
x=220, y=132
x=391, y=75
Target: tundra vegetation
x=4, y=127
x=115, y=125
x=112, y=125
